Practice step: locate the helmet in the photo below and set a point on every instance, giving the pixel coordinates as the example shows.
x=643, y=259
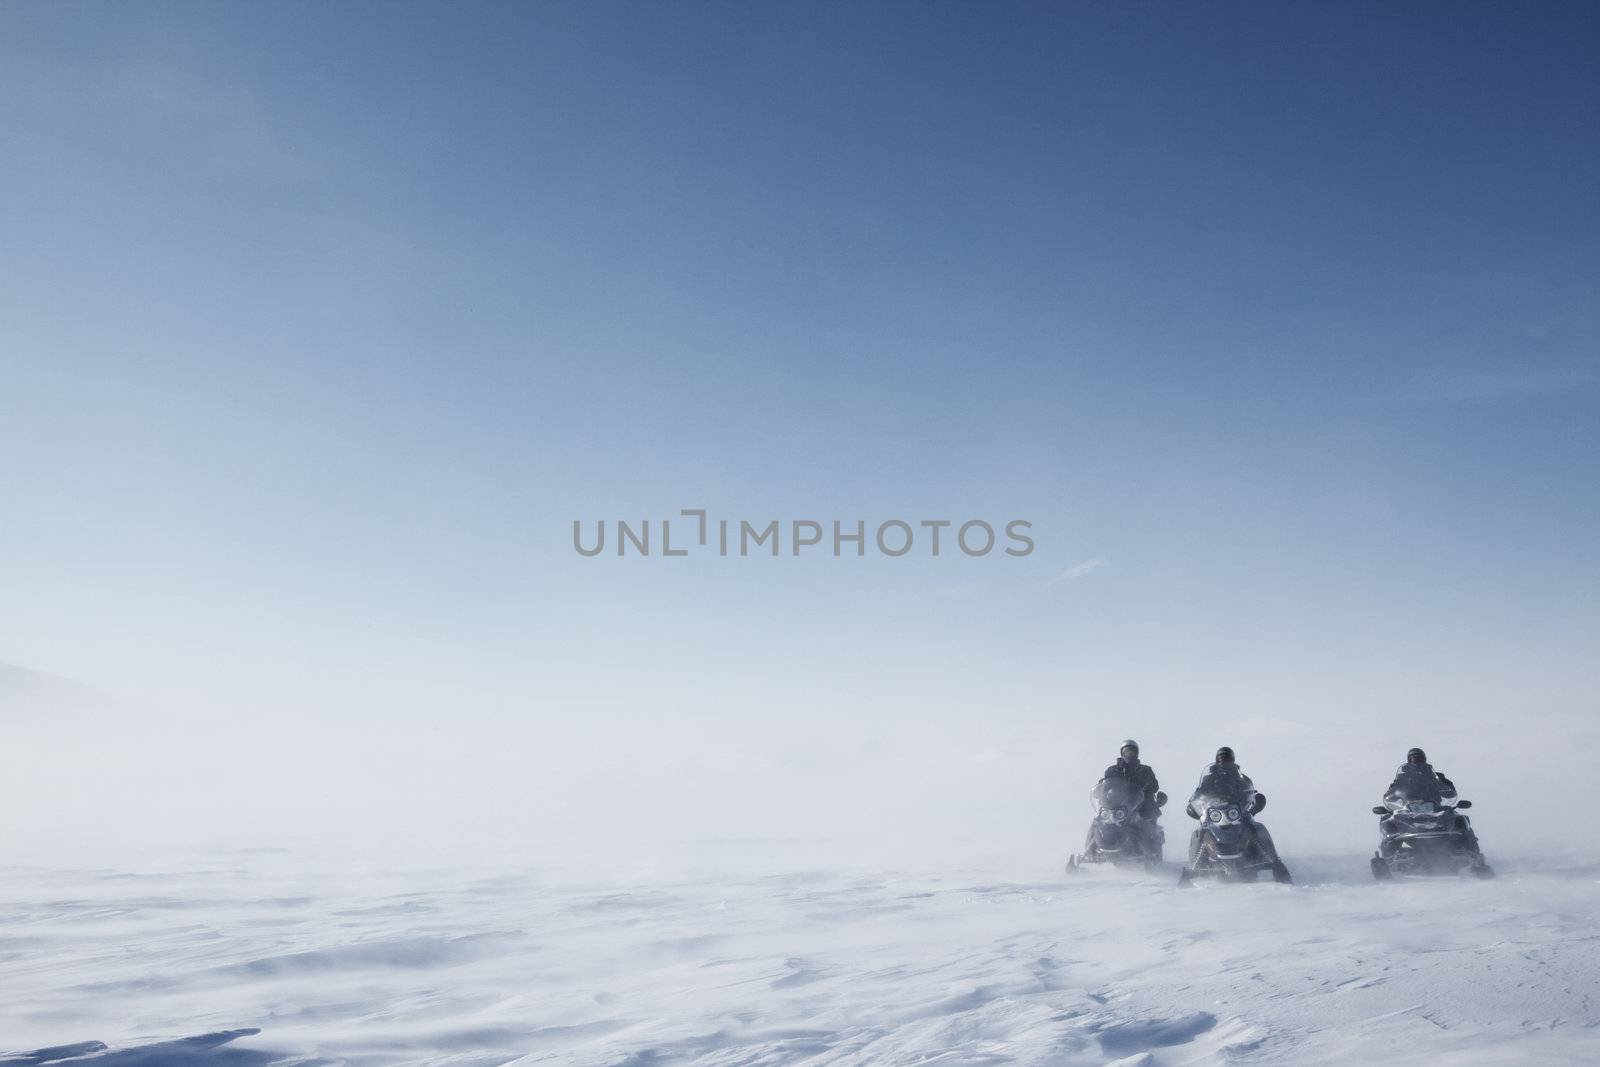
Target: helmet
x=1224, y=754
x=1130, y=743
x=1416, y=755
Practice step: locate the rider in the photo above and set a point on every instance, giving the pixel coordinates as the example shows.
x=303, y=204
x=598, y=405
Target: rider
x=1224, y=781
x=1417, y=780
x=1140, y=776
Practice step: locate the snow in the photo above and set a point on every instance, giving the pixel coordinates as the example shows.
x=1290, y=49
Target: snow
x=754, y=955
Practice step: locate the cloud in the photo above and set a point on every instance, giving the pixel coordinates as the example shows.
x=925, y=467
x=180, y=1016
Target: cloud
x=1076, y=571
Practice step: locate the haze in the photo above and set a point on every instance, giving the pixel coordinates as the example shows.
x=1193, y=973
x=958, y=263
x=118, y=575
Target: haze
x=322, y=325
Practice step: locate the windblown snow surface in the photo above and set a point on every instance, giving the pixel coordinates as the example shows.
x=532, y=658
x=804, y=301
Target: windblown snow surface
x=271, y=958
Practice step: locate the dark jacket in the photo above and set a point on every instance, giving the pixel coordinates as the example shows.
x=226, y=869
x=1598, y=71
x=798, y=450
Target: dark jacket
x=1140, y=776
x=1419, y=781
x=1226, y=783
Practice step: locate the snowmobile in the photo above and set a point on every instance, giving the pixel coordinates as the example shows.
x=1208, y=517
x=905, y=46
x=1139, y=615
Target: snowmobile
x=1120, y=835
x=1228, y=850
x=1425, y=836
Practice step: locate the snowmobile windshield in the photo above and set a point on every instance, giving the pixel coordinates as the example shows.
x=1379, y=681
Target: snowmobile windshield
x=1226, y=785
x=1116, y=799
x=1412, y=788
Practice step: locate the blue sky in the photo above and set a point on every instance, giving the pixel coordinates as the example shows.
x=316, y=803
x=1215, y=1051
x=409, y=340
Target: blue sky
x=322, y=325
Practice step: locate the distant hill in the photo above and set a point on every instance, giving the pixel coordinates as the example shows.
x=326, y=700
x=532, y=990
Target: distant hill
x=24, y=689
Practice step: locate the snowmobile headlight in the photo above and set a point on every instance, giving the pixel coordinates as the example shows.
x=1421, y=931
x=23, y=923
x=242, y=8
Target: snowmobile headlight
x=1215, y=814
x=1233, y=814
x=1120, y=814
